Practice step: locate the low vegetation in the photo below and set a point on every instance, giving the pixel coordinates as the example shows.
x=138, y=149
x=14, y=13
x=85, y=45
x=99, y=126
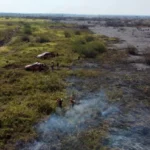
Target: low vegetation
x=132, y=50
x=67, y=34
x=83, y=73
x=91, y=139
x=89, y=47
x=26, y=97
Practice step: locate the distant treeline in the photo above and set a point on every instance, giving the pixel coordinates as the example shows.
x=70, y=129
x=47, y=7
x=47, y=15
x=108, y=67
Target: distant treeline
x=77, y=16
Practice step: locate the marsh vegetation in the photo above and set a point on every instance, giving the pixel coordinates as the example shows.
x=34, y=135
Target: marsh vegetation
x=27, y=97
x=86, y=65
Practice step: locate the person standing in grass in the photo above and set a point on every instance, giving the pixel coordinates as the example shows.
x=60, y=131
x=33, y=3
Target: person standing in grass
x=72, y=101
x=59, y=102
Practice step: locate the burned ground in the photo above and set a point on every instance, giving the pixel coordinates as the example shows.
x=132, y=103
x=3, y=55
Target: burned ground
x=112, y=95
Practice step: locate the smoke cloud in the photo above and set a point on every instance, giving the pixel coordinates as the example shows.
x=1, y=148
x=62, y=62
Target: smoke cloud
x=64, y=123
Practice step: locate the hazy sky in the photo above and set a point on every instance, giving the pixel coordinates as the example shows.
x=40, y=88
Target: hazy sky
x=123, y=7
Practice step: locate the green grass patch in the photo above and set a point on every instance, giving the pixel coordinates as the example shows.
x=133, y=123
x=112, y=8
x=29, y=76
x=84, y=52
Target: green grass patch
x=26, y=97
x=89, y=47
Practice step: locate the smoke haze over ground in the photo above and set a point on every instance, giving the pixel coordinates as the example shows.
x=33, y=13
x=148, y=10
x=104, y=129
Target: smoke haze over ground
x=128, y=126
x=88, y=114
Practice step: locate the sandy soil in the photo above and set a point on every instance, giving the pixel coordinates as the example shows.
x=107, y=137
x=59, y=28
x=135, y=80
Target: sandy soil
x=140, y=38
x=129, y=36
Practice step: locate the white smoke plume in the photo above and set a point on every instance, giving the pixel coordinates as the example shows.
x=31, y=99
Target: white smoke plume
x=87, y=114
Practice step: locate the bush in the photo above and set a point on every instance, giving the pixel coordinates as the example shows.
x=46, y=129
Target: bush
x=27, y=29
x=67, y=34
x=98, y=46
x=132, y=50
x=77, y=32
x=89, y=50
x=25, y=38
x=80, y=42
x=44, y=108
x=89, y=38
x=89, y=53
x=42, y=39
x=50, y=84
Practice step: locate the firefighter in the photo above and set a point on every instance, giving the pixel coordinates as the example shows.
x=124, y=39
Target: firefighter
x=59, y=102
x=57, y=65
x=72, y=101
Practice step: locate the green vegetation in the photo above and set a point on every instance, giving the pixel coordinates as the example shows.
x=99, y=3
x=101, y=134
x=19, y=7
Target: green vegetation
x=77, y=32
x=27, y=29
x=67, y=34
x=89, y=46
x=26, y=97
x=43, y=39
x=89, y=140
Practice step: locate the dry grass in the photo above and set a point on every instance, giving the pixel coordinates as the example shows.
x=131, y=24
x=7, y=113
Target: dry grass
x=26, y=97
x=112, y=57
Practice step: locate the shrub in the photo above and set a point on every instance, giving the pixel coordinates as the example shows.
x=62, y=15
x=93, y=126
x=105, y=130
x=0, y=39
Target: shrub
x=50, y=84
x=98, y=46
x=25, y=38
x=5, y=36
x=42, y=39
x=67, y=34
x=132, y=50
x=80, y=41
x=77, y=32
x=89, y=50
x=27, y=29
x=89, y=38
x=44, y=108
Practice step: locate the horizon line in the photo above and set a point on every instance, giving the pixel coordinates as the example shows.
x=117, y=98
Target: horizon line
x=28, y=13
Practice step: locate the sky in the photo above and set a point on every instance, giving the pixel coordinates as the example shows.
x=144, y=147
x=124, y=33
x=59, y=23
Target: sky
x=96, y=7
